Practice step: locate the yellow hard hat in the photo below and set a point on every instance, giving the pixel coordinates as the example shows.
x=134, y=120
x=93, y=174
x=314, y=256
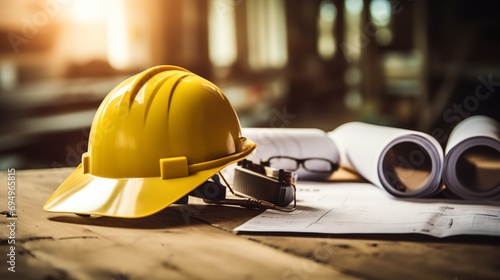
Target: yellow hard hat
x=156, y=137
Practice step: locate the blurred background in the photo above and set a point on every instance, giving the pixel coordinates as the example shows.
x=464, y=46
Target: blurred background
x=418, y=64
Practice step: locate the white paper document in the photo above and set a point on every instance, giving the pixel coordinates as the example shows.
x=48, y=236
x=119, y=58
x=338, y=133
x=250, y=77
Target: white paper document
x=472, y=159
x=405, y=163
x=293, y=142
x=362, y=208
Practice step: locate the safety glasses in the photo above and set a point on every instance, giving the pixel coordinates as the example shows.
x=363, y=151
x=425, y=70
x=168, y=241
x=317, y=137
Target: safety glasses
x=313, y=164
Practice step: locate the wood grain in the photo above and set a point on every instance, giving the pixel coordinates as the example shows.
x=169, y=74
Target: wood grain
x=197, y=241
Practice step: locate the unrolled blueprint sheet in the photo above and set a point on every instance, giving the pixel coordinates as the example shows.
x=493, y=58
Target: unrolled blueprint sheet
x=362, y=208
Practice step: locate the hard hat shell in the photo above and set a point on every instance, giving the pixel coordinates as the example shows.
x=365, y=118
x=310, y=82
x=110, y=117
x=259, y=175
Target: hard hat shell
x=157, y=136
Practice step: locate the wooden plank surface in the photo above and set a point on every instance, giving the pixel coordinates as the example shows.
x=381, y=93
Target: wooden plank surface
x=196, y=241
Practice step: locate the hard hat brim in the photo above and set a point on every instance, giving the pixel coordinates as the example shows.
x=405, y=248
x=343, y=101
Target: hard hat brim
x=83, y=193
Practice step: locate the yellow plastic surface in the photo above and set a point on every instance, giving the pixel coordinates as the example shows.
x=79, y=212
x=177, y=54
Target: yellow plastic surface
x=155, y=137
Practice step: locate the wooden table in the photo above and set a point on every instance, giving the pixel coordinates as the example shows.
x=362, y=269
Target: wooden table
x=196, y=241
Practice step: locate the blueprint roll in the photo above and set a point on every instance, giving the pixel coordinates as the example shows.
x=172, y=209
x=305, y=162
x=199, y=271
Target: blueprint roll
x=403, y=162
x=472, y=160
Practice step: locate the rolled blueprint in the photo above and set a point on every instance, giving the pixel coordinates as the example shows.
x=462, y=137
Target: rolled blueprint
x=405, y=163
x=300, y=143
x=472, y=159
